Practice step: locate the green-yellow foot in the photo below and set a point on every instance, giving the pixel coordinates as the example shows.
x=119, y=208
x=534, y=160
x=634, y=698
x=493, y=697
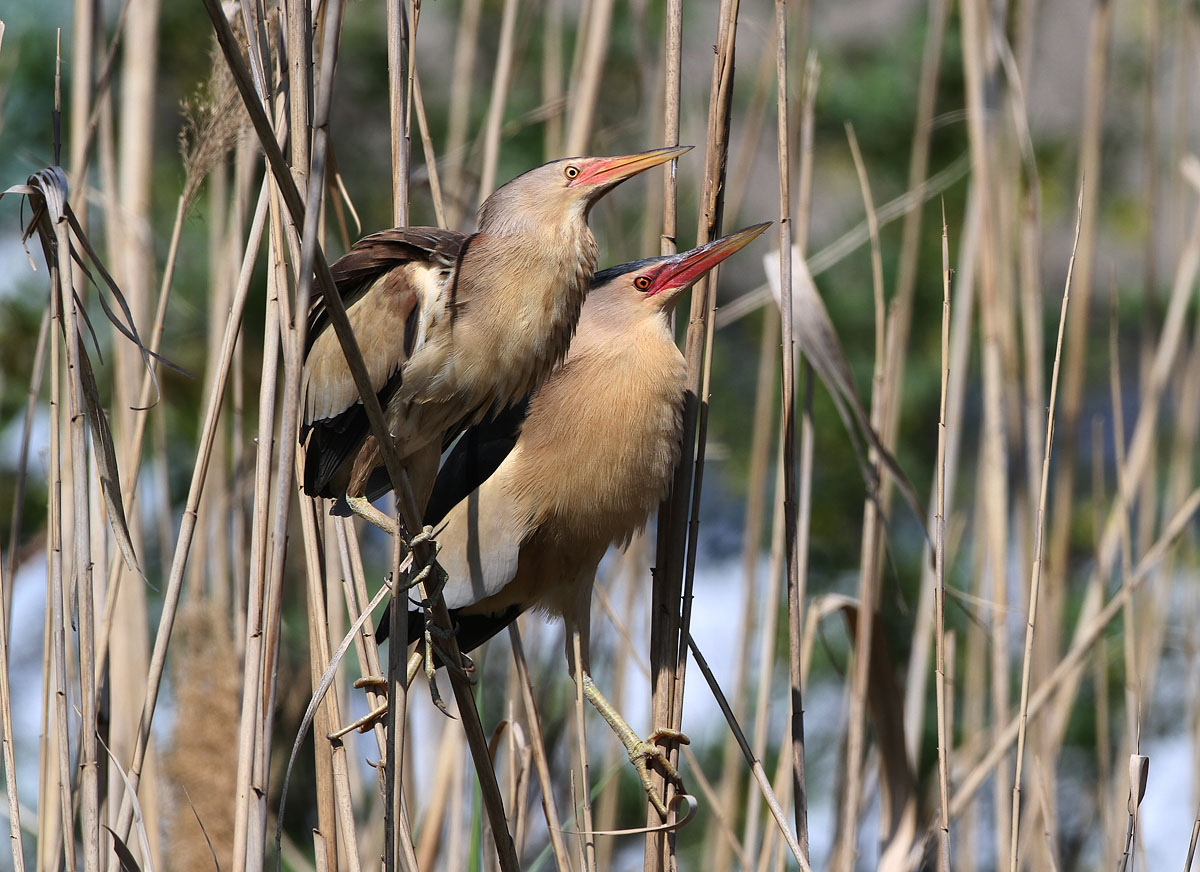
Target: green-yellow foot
x=641, y=753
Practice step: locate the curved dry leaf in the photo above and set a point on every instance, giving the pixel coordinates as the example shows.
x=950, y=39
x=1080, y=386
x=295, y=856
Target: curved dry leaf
x=818, y=341
x=128, y=862
x=106, y=461
x=47, y=191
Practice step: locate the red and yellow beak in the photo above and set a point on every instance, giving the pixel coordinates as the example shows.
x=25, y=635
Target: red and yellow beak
x=680, y=271
x=603, y=173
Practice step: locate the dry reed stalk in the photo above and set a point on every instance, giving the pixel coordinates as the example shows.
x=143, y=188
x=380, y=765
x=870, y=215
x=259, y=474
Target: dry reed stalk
x=449, y=750
x=398, y=40
x=1035, y=580
x=187, y=527
x=845, y=849
x=134, y=267
x=583, y=803
x=495, y=114
x=795, y=592
x=664, y=641
x=538, y=745
x=1153, y=230
x=848, y=242
x=959, y=365
x=327, y=715
x=333, y=797
x=59, y=601
x=213, y=130
x=462, y=81
x=672, y=65
x=812, y=75
x=771, y=849
x=435, y=185
x=1091, y=140
x=906, y=275
x=6, y=736
x=82, y=72
x=1130, y=634
x=1140, y=453
x=250, y=812
x=679, y=525
x=750, y=134
x=944, y=712
x=716, y=805
x=992, y=481
x=82, y=566
x=632, y=569
x=590, y=49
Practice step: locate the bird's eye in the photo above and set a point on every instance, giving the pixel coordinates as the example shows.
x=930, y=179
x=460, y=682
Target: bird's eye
x=571, y=172
x=642, y=283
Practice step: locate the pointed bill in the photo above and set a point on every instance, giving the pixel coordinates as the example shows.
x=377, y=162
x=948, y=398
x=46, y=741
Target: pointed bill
x=607, y=171
x=682, y=270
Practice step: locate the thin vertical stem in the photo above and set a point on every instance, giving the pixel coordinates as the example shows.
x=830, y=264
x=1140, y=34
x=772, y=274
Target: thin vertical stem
x=1036, y=575
x=57, y=593
x=940, y=561
x=6, y=740
x=82, y=569
x=673, y=51
x=788, y=423
x=397, y=37
x=495, y=116
x=460, y=107
x=804, y=474
x=698, y=352
x=586, y=83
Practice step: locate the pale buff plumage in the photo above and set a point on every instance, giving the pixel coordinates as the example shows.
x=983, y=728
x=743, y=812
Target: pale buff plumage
x=595, y=456
x=451, y=326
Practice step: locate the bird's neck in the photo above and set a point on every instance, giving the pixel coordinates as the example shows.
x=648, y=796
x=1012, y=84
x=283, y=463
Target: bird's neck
x=536, y=281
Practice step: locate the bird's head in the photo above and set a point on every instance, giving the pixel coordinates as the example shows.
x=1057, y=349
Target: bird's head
x=657, y=283
x=563, y=190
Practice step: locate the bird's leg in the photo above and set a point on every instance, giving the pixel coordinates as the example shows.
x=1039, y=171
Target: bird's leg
x=641, y=753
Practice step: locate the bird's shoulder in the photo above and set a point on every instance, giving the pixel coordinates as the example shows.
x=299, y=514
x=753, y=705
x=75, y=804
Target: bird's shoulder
x=388, y=249
x=391, y=263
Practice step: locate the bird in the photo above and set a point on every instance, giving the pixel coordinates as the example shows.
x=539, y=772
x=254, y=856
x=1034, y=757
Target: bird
x=451, y=326
x=539, y=493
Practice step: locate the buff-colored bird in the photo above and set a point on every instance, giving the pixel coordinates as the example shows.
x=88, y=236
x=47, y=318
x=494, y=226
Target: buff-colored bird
x=594, y=456
x=451, y=326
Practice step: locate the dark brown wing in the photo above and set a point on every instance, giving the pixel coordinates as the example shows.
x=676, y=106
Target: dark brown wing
x=374, y=255
x=386, y=281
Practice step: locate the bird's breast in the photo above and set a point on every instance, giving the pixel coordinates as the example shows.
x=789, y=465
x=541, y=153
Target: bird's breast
x=599, y=448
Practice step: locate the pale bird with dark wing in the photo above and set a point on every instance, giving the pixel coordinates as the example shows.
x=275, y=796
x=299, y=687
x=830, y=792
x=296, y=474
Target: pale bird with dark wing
x=582, y=470
x=451, y=326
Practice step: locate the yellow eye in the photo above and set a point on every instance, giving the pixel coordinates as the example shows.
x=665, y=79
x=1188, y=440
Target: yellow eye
x=571, y=171
x=642, y=283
